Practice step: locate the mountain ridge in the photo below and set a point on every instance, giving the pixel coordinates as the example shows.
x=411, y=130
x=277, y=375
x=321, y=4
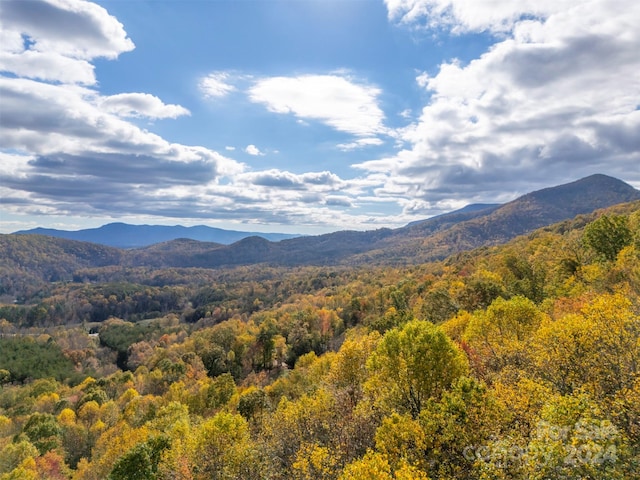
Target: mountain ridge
x=431, y=239
x=124, y=235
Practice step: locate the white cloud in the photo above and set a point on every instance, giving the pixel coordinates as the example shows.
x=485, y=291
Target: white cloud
x=472, y=15
x=65, y=149
x=74, y=28
x=335, y=100
x=316, y=181
x=54, y=40
x=361, y=142
x=140, y=105
x=253, y=150
x=51, y=67
x=338, y=201
x=68, y=151
x=555, y=97
x=216, y=85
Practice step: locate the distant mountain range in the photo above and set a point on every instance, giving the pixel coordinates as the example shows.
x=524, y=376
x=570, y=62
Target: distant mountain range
x=431, y=239
x=123, y=235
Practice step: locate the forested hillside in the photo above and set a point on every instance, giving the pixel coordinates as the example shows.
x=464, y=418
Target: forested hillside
x=418, y=242
x=514, y=361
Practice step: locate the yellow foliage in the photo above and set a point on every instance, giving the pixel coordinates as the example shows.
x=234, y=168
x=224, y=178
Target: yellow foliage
x=314, y=461
x=522, y=400
x=89, y=413
x=111, y=445
x=373, y=466
x=6, y=425
x=348, y=369
x=127, y=396
x=409, y=472
x=222, y=448
x=25, y=471
x=456, y=326
x=500, y=334
x=109, y=413
x=401, y=439
x=67, y=417
x=46, y=402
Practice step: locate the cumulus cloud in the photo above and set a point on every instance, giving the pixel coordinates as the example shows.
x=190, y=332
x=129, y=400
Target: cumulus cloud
x=556, y=96
x=335, y=100
x=51, y=67
x=54, y=40
x=140, y=105
x=64, y=148
x=316, y=181
x=68, y=150
x=253, y=150
x=338, y=201
x=73, y=28
x=216, y=85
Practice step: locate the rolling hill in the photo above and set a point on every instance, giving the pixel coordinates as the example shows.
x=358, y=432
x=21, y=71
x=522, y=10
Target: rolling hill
x=123, y=235
x=431, y=239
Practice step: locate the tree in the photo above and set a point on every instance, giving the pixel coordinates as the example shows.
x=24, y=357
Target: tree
x=221, y=390
x=412, y=364
x=499, y=334
x=401, y=439
x=348, y=370
x=608, y=235
x=375, y=466
x=5, y=376
x=13, y=454
x=141, y=462
x=252, y=403
x=468, y=415
x=574, y=441
x=223, y=449
x=309, y=420
x=43, y=431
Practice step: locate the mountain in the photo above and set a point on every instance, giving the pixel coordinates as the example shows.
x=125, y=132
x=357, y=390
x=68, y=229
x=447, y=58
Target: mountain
x=440, y=236
x=465, y=213
x=496, y=225
x=431, y=239
x=122, y=235
x=27, y=260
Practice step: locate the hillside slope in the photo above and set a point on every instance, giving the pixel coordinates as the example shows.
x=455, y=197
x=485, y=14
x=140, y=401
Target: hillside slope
x=436, y=238
x=433, y=238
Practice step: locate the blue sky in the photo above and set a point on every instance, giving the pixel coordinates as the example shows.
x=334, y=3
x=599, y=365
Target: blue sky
x=307, y=116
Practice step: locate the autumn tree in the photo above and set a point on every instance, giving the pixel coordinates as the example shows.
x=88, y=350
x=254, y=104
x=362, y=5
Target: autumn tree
x=608, y=235
x=412, y=364
x=500, y=333
x=223, y=449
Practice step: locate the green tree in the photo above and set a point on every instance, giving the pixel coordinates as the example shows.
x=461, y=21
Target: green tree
x=43, y=431
x=608, y=235
x=141, y=462
x=412, y=364
x=221, y=390
x=13, y=454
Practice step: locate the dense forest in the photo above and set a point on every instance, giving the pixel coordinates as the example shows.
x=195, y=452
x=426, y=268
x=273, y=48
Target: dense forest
x=518, y=361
